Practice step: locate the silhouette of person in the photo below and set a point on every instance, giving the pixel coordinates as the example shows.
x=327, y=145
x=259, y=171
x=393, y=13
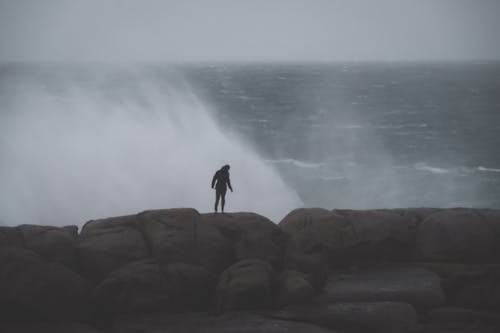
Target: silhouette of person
x=221, y=182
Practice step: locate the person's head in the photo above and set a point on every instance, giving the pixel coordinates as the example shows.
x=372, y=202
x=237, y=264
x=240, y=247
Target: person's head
x=226, y=167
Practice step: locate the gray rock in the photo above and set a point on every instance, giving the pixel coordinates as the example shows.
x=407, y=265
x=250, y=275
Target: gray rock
x=354, y=317
x=249, y=283
x=353, y=236
x=135, y=287
x=179, y=235
x=107, y=244
x=252, y=236
x=10, y=237
x=57, y=327
x=294, y=288
x=459, y=235
x=240, y=322
x=53, y=243
x=147, y=286
x=398, y=283
x=31, y=287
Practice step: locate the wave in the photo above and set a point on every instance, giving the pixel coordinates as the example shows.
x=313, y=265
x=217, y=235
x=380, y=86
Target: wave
x=423, y=166
x=480, y=168
x=297, y=163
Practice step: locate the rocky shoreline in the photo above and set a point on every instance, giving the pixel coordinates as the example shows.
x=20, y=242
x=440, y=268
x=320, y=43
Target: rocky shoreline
x=318, y=270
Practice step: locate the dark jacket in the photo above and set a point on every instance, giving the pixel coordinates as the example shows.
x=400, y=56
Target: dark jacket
x=221, y=179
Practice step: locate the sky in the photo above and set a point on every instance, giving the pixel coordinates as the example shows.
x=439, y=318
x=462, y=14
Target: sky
x=248, y=31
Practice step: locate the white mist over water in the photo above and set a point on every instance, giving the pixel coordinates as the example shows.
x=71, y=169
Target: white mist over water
x=87, y=144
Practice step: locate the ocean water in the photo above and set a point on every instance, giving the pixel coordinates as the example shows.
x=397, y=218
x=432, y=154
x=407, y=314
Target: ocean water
x=86, y=141
x=369, y=135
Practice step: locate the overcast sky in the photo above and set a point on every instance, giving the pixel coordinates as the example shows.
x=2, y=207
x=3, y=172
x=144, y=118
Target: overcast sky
x=252, y=30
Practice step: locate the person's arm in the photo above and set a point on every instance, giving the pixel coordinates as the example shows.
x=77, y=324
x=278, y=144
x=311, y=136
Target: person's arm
x=214, y=179
x=229, y=184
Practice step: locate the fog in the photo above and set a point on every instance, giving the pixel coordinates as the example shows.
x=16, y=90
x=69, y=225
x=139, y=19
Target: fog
x=248, y=31
x=100, y=142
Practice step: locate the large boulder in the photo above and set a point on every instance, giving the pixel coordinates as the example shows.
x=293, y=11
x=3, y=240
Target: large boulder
x=180, y=236
x=10, y=237
x=353, y=236
x=53, y=243
x=397, y=283
x=135, y=287
x=31, y=287
x=354, y=317
x=309, y=257
x=252, y=236
x=231, y=322
x=476, y=287
x=460, y=235
x=107, y=244
x=294, y=288
x=382, y=234
x=249, y=283
x=147, y=286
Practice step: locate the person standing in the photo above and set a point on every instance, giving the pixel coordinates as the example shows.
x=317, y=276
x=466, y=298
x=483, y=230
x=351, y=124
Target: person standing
x=221, y=182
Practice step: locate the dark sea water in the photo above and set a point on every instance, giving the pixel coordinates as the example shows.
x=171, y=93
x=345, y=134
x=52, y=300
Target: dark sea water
x=81, y=142
x=369, y=135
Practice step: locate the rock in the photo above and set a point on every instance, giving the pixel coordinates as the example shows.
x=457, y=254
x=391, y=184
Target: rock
x=54, y=244
x=191, y=287
x=107, y=244
x=43, y=327
x=146, y=286
x=204, y=323
x=294, y=288
x=10, y=237
x=397, y=283
x=309, y=257
x=247, y=284
x=31, y=287
x=180, y=236
x=475, y=288
x=458, y=235
x=252, y=236
x=462, y=316
x=381, y=235
x=353, y=236
x=354, y=317
x=135, y=287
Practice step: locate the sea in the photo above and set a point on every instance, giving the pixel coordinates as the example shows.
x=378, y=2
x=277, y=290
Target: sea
x=86, y=141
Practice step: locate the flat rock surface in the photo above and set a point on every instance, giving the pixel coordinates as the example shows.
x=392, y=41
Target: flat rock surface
x=397, y=283
x=239, y=322
x=353, y=317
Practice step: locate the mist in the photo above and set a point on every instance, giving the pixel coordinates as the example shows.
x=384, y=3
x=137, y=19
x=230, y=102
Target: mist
x=76, y=145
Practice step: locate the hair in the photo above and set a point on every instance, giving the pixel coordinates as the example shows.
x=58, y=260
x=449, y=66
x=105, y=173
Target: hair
x=226, y=167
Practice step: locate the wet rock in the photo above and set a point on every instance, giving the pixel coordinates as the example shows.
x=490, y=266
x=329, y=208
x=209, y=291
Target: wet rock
x=180, y=236
x=353, y=236
x=294, y=288
x=10, y=237
x=459, y=235
x=354, y=317
x=43, y=327
x=310, y=258
x=252, y=236
x=147, y=286
x=107, y=244
x=204, y=323
x=54, y=244
x=31, y=287
x=248, y=284
x=398, y=283
x=135, y=287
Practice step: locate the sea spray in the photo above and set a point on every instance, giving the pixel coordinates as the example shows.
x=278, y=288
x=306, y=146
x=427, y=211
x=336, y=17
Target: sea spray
x=83, y=143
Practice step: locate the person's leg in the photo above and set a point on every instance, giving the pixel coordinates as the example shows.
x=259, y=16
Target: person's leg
x=223, y=200
x=217, y=196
